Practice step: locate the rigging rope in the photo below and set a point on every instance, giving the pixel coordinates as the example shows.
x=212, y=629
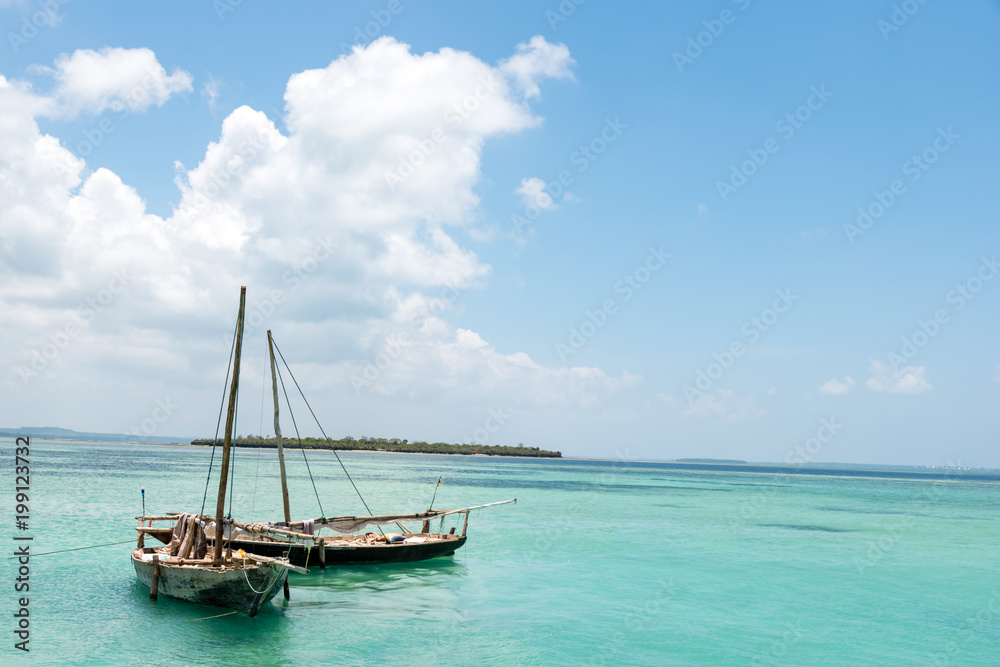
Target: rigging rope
x=232, y=462
x=281, y=380
x=215, y=439
x=316, y=419
x=260, y=432
x=302, y=394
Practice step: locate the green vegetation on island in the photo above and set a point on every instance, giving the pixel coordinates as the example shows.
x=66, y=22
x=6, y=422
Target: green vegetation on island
x=392, y=445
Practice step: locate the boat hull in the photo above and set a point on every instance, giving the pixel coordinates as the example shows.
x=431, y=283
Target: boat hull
x=239, y=589
x=338, y=552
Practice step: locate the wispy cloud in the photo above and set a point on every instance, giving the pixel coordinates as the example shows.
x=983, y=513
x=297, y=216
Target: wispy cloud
x=210, y=91
x=532, y=192
x=905, y=380
x=836, y=387
x=814, y=233
x=727, y=405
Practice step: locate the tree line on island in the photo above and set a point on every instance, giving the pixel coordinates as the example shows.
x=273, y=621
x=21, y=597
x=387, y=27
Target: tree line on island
x=390, y=445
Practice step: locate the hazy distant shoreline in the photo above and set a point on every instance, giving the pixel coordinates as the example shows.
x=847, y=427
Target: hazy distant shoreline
x=881, y=471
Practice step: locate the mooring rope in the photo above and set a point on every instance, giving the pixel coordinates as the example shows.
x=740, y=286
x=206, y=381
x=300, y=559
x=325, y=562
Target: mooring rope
x=228, y=613
x=277, y=575
x=62, y=551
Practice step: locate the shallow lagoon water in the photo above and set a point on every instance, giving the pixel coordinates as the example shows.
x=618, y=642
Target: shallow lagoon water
x=597, y=563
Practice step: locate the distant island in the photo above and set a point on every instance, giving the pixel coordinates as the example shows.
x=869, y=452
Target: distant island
x=55, y=433
x=392, y=445
x=358, y=444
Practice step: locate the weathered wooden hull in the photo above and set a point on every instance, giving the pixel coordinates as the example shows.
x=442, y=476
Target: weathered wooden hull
x=233, y=588
x=337, y=552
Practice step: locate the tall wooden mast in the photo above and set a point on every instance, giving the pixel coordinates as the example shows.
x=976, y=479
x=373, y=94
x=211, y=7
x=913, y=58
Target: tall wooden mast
x=277, y=432
x=228, y=442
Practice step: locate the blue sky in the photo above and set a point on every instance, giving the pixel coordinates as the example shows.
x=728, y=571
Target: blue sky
x=466, y=281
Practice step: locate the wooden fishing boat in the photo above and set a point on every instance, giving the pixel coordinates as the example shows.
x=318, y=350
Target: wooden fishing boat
x=238, y=583
x=183, y=568
x=349, y=547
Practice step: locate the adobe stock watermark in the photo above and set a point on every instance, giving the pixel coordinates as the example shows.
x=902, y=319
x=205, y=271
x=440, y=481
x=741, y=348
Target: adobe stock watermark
x=914, y=168
x=260, y=310
x=629, y=284
x=751, y=330
x=494, y=421
x=899, y=17
x=95, y=136
x=698, y=43
x=798, y=456
x=46, y=16
x=926, y=330
x=455, y=116
x=562, y=12
x=786, y=127
x=893, y=533
x=86, y=313
x=778, y=649
x=200, y=203
x=982, y=622
x=165, y=407
x=643, y=614
x=381, y=18
x=581, y=503
x=396, y=343
x=582, y=158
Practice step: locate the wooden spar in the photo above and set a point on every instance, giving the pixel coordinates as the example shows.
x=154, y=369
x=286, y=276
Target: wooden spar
x=283, y=562
x=228, y=442
x=277, y=533
x=392, y=518
x=292, y=534
x=277, y=432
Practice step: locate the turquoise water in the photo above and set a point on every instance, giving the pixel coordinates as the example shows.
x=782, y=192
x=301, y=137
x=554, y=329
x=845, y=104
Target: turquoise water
x=597, y=563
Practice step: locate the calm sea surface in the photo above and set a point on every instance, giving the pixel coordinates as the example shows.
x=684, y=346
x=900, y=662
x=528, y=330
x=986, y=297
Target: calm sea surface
x=597, y=563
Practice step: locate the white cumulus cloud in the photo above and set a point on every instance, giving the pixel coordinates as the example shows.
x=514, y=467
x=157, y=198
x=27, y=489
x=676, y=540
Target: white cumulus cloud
x=112, y=78
x=304, y=218
x=535, y=60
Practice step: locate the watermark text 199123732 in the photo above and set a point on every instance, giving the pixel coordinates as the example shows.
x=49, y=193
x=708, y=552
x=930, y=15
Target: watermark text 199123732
x=22, y=547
